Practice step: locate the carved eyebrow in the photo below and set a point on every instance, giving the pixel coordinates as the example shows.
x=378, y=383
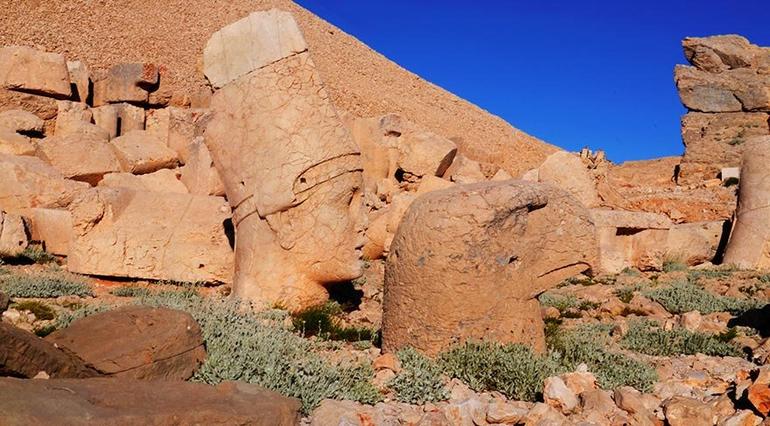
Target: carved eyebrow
x=327, y=170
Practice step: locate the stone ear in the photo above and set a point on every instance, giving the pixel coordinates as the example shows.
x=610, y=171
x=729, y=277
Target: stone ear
x=285, y=232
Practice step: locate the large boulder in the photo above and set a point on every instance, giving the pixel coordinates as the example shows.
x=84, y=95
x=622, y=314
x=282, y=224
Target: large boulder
x=136, y=342
x=13, y=234
x=119, y=119
x=566, y=171
x=199, y=174
x=27, y=182
x=140, y=152
x=177, y=128
x=28, y=70
x=126, y=83
x=22, y=354
x=162, y=236
x=424, y=153
x=749, y=245
x=80, y=156
x=15, y=126
x=291, y=170
x=467, y=263
x=135, y=402
x=723, y=52
x=52, y=228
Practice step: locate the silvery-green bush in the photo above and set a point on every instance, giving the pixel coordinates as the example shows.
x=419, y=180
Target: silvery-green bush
x=44, y=285
x=420, y=379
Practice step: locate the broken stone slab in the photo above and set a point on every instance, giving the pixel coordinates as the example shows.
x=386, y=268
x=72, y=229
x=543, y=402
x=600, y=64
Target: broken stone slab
x=423, y=153
x=630, y=239
x=130, y=82
x=291, y=171
x=694, y=243
x=52, y=228
x=79, y=156
x=199, y=174
x=13, y=234
x=27, y=182
x=23, y=354
x=729, y=91
x=530, y=234
x=136, y=342
x=164, y=180
x=76, y=117
x=28, y=70
x=140, y=152
x=16, y=126
x=251, y=43
x=119, y=119
x=566, y=171
x=748, y=243
x=464, y=170
x=177, y=128
x=377, y=139
x=81, y=80
x=723, y=52
x=138, y=402
x=162, y=236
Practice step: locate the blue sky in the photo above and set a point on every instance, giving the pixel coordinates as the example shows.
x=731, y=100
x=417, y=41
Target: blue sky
x=574, y=73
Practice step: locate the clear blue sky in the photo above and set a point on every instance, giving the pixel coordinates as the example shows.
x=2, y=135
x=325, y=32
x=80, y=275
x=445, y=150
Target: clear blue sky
x=574, y=73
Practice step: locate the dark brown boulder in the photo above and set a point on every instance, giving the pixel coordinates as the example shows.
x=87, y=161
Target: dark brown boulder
x=117, y=401
x=22, y=354
x=136, y=342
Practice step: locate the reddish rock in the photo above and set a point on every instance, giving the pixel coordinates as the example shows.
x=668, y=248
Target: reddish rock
x=132, y=402
x=22, y=354
x=759, y=396
x=136, y=342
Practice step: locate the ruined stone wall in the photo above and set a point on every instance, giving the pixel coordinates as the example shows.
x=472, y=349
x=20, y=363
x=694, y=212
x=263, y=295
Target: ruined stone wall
x=727, y=93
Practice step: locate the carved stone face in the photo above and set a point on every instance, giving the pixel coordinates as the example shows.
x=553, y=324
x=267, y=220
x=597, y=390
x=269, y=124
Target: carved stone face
x=293, y=177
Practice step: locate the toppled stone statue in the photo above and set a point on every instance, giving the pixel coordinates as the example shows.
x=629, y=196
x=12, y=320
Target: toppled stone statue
x=749, y=245
x=467, y=262
x=291, y=171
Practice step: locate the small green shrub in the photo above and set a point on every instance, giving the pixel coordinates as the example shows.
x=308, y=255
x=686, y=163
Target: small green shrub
x=632, y=272
x=672, y=265
x=39, y=309
x=731, y=181
x=648, y=338
x=512, y=369
x=626, y=293
x=44, y=285
x=420, y=379
x=31, y=254
x=130, y=291
x=696, y=274
x=323, y=321
x=684, y=297
x=256, y=348
x=66, y=318
x=588, y=344
x=45, y=330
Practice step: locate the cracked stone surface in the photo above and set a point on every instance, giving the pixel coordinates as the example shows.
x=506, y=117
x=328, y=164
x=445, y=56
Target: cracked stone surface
x=292, y=175
x=749, y=245
x=124, y=233
x=467, y=263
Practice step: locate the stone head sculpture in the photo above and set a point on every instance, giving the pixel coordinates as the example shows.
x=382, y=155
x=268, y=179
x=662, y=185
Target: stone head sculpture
x=291, y=171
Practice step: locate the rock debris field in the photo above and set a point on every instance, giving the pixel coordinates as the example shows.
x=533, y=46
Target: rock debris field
x=235, y=224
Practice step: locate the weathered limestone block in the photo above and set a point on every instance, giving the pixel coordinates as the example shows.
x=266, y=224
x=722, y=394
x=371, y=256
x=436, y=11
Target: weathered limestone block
x=432, y=183
x=199, y=174
x=630, y=239
x=694, y=243
x=164, y=180
x=140, y=152
x=81, y=80
x=749, y=245
x=15, y=127
x=177, y=128
x=126, y=83
x=28, y=70
x=23, y=354
x=13, y=235
x=125, y=233
x=136, y=342
x=566, y=171
x=465, y=170
x=719, y=53
x=423, y=153
x=119, y=119
x=502, y=175
x=82, y=157
x=132, y=402
x=27, y=182
x=713, y=141
x=291, y=170
x=52, y=228
x=729, y=91
x=498, y=244
x=249, y=44
x=377, y=139
x=71, y=116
